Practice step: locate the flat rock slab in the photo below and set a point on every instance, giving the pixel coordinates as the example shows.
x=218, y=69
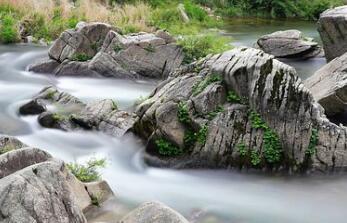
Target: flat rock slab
x=329, y=86
x=332, y=27
x=288, y=44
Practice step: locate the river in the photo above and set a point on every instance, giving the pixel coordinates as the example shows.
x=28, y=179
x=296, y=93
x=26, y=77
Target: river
x=226, y=196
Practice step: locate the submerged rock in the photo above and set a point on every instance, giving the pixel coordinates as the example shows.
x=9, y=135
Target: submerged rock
x=266, y=119
x=63, y=111
x=153, y=212
x=329, y=86
x=289, y=44
x=332, y=27
x=98, y=49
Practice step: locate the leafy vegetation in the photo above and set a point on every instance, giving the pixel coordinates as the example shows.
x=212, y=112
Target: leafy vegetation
x=8, y=29
x=311, y=150
x=272, y=147
x=232, y=97
x=200, y=86
x=183, y=114
x=199, y=46
x=255, y=158
x=81, y=57
x=6, y=148
x=213, y=114
x=166, y=148
x=89, y=171
x=202, y=135
x=241, y=149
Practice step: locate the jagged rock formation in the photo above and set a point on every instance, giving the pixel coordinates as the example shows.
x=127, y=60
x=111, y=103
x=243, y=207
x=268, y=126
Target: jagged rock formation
x=242, y=108
x=153, y=212
x=63, y=111
x=98, y=49
x=332, y=26
x=289, y=44
x=329, y=87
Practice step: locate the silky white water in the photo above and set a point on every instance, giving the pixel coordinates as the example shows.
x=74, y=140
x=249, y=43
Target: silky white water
x=228, y=195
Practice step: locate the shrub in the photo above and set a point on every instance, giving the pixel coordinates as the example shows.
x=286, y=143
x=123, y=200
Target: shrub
x=311, y=150
x=81, y=57
x=166, y=148
x=202, y=135
x=255, y=158
x=89, y=171
x=232, y=97
x=241, y=149
x=8, y=29
x=199, y=46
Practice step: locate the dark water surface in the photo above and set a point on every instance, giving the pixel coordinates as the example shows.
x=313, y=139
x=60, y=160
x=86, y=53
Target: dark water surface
x=227, y=196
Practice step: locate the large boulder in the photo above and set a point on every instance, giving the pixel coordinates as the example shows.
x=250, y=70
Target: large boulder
x=97, y=49
x=329, y=86
x=332, y=27
x=288, y=44
x=153, y=212
x=266, y=119
x=63, y=111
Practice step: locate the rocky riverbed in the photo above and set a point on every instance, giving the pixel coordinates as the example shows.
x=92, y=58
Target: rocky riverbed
x=241, y=109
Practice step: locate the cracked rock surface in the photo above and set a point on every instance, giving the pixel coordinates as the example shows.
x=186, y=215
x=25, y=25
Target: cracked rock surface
x=274, y=122
x=98, y=49
x=332, y=27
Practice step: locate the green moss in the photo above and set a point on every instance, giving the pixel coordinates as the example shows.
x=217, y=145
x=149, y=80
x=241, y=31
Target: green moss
x=150, y=48
x=89, y=171
x=311, y=150
x=7, y=148
x=232, y=97
x=183, y=114
x=117, y=48
x=81, y=57
x=95, y=200
x=50, y=95
x=200, y=86
x=213, y=114
x=166, y=148
x=255, y=158
x=202, y=135
x=114, y=105
x=242, y=149
x=58, y=117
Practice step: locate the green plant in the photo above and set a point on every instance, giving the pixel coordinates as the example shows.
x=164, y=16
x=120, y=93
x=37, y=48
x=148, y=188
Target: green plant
x=81, y=57
x=211, y=115
x=150, y=48
x=117, y=48
x=255, y=158
x=199, y=46
x=58, y=117
x=311, y=150
x=201, y=85
x=95, y=198
x=114, y=105
x=241, y=149
x=89, y=171
x=183, y=114
x=6, y=148
x=8, y=29
x=50, y=95
x=190, y=138
x=272, y=147
x=166, y=148
x=232, y=97
x=202, y=135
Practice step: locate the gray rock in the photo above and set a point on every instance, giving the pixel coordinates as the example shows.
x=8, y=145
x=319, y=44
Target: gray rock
x=329, y=86
x=63, y=111
x=39, y=193
x=8, y=143
x=16, y=160
x=97, y=49
x=288, y=44
x=153, y=212
x=44, y=66
x=274, y=125
x=332, y=27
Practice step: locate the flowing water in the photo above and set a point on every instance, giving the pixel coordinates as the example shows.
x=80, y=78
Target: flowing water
x=225, y=195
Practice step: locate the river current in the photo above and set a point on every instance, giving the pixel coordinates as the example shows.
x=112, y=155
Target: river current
x=226, y=196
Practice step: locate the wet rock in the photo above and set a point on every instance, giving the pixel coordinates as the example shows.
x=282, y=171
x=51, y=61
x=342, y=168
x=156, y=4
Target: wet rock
x=66, y=112
x=329, y=87
x=332, y=27
x=258, y=114
x=97, y=49
x=289, y=44
x=153, y=212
